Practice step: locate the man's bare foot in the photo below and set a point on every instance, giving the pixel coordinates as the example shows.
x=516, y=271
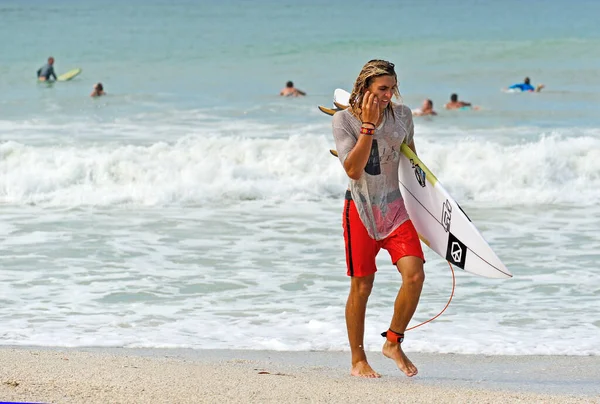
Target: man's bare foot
x=363, y=369
x=395, y=353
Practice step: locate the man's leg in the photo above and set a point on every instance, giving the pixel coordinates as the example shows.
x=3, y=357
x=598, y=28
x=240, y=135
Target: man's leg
x=356, y=307
x=405, y=305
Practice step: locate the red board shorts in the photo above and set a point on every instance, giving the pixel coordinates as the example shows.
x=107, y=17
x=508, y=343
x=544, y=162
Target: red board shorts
x=361, y=249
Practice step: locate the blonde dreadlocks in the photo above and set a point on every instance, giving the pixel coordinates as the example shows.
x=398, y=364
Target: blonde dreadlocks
x=374, y=68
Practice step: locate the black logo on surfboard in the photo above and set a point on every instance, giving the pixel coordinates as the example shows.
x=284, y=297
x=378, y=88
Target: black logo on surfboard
x=446, y=215
x=419, y=173
x=456, y=251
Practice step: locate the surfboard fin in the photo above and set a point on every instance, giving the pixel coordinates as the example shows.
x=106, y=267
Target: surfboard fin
x=340, y=106
x=328, y=111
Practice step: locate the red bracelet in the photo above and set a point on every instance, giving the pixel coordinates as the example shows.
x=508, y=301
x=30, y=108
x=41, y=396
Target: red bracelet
x=367, y=131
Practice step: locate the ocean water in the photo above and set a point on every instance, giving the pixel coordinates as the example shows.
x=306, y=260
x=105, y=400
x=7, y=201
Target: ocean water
x=193, y=207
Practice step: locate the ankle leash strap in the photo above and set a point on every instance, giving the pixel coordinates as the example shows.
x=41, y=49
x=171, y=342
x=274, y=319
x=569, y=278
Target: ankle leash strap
x=393, y=336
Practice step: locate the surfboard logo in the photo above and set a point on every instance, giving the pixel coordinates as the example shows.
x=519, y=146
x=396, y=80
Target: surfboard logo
x=446, y=215
x=419, y=173
x=456, y=251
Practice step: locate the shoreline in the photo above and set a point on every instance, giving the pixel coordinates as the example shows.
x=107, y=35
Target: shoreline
x=132, y=375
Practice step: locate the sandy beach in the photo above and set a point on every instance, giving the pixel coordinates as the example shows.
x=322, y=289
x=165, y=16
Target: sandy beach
x=186, y=376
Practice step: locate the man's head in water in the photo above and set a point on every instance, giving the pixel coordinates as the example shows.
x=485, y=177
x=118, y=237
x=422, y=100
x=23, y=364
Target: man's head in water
x=289, y=84
x=454, y=97
x=526, y=81
x=50, y=60
x=98, y=90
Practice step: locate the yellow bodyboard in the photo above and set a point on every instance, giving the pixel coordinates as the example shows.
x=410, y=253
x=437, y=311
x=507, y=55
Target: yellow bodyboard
x=69, y=75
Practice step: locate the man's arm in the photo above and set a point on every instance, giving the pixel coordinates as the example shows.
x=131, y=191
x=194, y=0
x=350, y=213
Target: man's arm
x=358, y=157
x=353, y=152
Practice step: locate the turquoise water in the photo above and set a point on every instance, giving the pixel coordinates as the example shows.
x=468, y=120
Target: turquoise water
x=189, y=55
x=192, y=197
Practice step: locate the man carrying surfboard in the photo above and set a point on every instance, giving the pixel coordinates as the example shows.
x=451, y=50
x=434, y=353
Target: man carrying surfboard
x=45, y=72
x=368, y=136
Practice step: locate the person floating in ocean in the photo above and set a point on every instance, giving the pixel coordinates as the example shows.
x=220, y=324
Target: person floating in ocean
x=45, y=72
x=426, y=109
x=526, y=86
x=368, y=135
x=290, y=91
x=456, y=104
x=98, y=90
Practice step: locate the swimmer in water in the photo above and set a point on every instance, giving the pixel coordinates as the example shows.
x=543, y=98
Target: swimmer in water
x=426, y=109
x=526, y=86
x=456, y=104
x=98, y=90
x=291, y=91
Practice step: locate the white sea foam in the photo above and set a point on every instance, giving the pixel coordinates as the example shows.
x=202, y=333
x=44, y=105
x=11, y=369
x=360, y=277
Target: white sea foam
x=226, y=167
x=264, y=275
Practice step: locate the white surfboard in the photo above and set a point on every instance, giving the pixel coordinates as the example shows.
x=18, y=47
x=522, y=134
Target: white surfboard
x=441, y=223
x=341, y=96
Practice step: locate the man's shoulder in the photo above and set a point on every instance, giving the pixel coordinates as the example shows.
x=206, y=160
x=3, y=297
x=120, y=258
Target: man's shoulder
x=400, y=107
x=402, y=111
x=344, y=117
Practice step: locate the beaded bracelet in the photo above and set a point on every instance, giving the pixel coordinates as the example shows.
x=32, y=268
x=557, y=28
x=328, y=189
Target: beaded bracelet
x=367, y=131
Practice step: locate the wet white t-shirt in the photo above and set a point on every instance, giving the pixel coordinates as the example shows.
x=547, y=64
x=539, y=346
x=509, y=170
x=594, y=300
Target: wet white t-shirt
x=377, y=193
